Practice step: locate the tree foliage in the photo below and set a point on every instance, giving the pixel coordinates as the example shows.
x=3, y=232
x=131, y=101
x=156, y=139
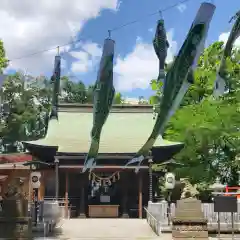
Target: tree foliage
x=209, y=127
x=23, y=113
x=25, y=107
x=118, y=99
x=3, y=59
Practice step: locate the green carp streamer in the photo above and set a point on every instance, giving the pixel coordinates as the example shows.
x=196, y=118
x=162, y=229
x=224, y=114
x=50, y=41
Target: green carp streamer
x=103, y=98
x=179, y=77
x=222, y=82
x=55, y=79
x=161, y=46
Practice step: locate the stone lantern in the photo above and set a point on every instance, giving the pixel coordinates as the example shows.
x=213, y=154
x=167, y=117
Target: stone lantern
x=217, y=187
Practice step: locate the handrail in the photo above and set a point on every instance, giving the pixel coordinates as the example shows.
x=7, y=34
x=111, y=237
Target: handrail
x=153, y=222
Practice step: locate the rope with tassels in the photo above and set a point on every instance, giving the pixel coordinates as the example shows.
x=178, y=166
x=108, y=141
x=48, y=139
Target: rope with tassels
x=113, y=178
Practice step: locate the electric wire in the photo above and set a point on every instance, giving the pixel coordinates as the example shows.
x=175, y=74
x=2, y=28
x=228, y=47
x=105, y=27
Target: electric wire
x=109, y=32
x=149, y=15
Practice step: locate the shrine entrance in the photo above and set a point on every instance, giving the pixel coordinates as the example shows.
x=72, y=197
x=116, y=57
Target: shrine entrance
x=104, y=194
x=117, y=194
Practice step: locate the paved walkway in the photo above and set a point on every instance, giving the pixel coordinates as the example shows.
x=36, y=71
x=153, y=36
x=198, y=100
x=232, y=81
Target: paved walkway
x=111, y=229
x=115, y=229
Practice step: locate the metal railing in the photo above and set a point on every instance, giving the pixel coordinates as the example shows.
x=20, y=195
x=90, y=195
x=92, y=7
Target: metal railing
x=153, y=222
x=159, y=210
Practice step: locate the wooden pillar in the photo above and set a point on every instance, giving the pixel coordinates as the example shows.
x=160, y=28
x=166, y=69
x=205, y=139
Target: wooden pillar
x=82, y=203
x=140, y=195
x=82, y=213
x=56, y=162
x=66, y=195
x=41, y=192
x=30, y=190
x=124, y=186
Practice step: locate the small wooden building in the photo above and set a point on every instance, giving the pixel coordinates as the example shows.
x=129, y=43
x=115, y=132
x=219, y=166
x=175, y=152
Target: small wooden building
x=111, y=190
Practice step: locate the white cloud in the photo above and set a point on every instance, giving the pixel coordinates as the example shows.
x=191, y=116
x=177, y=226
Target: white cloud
x=182, y=7
x=27, y=27
x=136, y=69
x=93, y=49
x=86, y=58
x=150, y=29
x=224, y=37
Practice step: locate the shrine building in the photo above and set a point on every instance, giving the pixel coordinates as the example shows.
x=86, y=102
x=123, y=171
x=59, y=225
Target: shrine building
x=111, y=189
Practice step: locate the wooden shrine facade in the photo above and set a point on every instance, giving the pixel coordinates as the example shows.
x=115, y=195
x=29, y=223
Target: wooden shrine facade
x=64, y=149
x=120, y=191
x=128, y=194
x=124, y=193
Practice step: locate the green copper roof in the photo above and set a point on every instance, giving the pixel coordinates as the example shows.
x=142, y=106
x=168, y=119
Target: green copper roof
x=125, y=131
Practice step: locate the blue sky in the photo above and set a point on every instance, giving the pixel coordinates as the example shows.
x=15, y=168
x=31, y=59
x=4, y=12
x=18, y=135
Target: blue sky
x=135, y=60
x=175, y=19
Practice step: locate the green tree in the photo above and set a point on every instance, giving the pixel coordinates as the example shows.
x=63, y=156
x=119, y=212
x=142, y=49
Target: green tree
x=75, y=92
x=23, y=113
x=156, y=98
x=118, y=99
x=210, y=133
x=204, y=76
x=89, y=94
x=3, y=59
x=209, y=127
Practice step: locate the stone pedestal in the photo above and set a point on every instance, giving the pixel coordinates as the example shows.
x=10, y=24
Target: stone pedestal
x=189, y=221
x=15, y=228
x=14, y=220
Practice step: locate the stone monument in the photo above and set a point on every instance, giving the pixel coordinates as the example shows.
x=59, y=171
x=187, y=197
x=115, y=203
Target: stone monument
x=189, y=221
x=14, y=220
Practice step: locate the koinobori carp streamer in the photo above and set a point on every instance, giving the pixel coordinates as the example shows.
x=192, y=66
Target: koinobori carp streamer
x=103, y=94
x=222, y=82
x=179, y=77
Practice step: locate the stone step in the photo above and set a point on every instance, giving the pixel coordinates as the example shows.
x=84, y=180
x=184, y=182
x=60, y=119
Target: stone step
x=189, y=234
